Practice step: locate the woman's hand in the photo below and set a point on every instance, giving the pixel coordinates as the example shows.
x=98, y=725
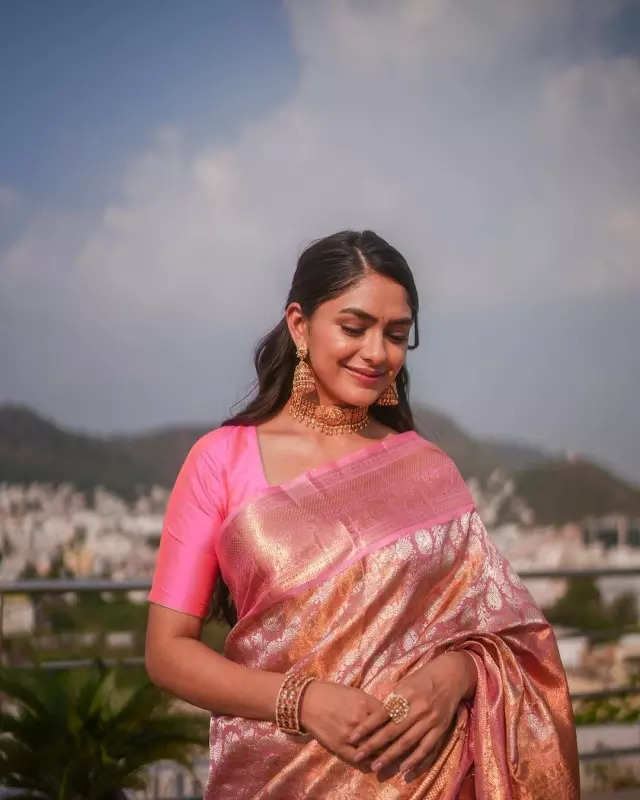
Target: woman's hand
x=434, y=692
x=332, y=712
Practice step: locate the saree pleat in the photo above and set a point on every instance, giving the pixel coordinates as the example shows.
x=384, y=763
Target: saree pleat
x=361, y=576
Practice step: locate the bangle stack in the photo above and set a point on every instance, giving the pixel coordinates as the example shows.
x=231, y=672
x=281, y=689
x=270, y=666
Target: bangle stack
x=288, y=702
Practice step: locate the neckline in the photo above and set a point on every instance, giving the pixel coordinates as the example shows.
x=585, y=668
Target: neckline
x=326, y=466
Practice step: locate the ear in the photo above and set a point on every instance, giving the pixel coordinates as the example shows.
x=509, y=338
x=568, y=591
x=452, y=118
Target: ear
x=297, y=323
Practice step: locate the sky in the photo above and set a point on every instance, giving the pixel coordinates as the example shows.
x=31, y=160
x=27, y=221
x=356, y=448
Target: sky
x=164, y=164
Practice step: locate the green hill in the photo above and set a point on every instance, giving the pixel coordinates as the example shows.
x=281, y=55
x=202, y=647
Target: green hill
x=564, y=491
x=33, y=448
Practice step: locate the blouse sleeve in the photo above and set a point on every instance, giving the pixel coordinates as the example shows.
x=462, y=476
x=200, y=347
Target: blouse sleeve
x=186, y=565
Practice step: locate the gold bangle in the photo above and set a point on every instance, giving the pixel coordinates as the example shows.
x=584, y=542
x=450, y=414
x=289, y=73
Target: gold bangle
x=288, y=702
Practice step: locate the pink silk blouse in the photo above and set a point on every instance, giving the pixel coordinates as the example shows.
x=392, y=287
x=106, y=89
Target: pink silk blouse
x=222, y=471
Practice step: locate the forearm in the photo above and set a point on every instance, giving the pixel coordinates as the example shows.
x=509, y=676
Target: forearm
x=194, y=672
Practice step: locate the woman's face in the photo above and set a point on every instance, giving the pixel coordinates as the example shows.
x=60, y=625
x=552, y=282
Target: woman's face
x=365, y=329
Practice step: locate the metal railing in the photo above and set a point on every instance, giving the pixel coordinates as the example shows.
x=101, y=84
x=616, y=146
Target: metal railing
x=62, y=586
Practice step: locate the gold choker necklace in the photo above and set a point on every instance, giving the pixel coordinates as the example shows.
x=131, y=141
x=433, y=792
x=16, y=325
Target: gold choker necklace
x=327, y=419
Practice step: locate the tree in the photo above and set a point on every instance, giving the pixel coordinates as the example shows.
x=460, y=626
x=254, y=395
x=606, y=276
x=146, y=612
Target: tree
x=582, y=607
x=80, y=735
x=623, y=610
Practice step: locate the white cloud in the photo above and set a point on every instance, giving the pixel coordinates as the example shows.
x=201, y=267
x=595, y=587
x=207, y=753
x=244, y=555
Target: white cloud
x=499, y=157
x=375, y=36
x=501, y=175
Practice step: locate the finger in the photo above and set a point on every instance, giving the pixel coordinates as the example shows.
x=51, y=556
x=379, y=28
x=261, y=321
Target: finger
x=399, y=747
x=369, y=725
x=347, y=754
x=381, y=738
x=429, y=746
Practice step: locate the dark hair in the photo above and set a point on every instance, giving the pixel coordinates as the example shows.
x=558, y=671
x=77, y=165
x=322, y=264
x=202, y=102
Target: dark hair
x=327, y=268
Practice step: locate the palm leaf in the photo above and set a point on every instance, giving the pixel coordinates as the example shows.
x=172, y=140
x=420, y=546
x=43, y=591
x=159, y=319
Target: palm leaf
x=18, y=688
x=81, y=735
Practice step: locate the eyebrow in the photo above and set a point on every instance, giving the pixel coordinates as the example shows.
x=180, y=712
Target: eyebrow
x=370, y=318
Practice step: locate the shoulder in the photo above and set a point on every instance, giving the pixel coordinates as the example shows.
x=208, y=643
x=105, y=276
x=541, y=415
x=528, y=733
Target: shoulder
x=430, y=447
x=436, y=455
x=208, y=458
x=214, y=445
x=446, y=486
x=204, y=473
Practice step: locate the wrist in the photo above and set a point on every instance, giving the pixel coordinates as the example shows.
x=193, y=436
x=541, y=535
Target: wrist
x=305, y=713
x=466, y=669
x=469, y=670
x=289, y=701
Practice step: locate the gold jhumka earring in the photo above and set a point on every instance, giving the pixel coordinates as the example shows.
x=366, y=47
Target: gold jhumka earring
x=390, y=395
x=327, y=419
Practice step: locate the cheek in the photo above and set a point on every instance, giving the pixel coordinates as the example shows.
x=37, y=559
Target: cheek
x=335, y=352
x=397, y=362
x=340, y=348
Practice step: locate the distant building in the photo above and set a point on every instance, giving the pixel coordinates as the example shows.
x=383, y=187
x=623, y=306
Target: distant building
x=612, y=530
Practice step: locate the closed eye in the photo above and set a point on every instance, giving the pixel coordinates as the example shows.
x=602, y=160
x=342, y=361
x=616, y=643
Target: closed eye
x=360, y=331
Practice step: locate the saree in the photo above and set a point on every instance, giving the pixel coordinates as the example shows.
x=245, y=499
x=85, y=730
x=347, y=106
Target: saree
x=361, y=572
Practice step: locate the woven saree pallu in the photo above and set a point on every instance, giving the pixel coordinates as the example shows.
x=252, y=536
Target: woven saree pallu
x=361, y=573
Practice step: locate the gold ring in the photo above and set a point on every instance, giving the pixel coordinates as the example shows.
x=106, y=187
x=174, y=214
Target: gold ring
x=397, y=706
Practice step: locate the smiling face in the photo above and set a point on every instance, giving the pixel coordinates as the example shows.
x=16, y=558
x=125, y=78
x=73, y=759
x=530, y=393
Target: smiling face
x=363, y=330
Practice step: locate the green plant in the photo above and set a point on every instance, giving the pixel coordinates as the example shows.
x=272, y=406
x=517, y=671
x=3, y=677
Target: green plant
x=582, y=607
x=600, y=710
x=83, y=735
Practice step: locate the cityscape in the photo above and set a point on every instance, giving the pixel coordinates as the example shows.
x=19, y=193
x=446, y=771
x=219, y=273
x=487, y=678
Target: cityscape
x=53, y=531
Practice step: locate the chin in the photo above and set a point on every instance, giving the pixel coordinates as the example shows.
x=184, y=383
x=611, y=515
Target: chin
x=365, y=397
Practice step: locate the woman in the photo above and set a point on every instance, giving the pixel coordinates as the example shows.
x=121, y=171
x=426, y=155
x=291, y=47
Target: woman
x=383, y=647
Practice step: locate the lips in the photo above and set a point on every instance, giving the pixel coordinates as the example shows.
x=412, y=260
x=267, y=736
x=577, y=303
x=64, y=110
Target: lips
x=365, y=373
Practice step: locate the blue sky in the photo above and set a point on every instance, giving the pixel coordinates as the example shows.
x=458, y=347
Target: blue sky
x=86, y=82
x=163, y=164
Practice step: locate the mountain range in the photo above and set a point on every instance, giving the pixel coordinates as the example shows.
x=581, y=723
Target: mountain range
x=36, y=449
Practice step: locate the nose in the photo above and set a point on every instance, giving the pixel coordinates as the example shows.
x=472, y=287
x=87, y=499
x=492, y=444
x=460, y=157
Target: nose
x=373, y=348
